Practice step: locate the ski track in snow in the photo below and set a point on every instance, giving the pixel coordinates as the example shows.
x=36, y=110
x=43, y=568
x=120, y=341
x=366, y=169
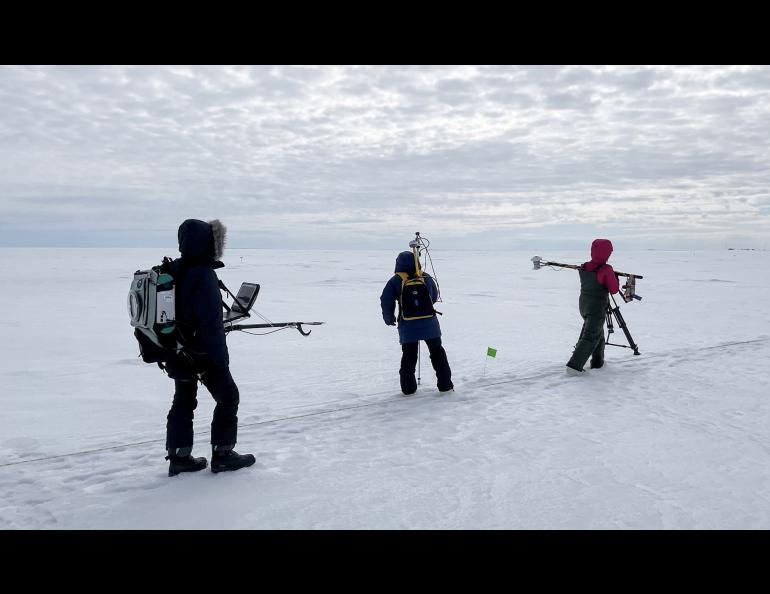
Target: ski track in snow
x=534, y=451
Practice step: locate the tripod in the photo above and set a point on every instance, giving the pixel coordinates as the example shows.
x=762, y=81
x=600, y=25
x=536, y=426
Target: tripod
x=615, y=311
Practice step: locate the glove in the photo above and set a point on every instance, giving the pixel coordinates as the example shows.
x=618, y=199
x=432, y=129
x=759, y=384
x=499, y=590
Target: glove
x=391, y=321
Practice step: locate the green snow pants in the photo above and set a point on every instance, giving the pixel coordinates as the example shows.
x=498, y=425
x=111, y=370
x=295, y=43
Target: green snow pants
x=590, y=343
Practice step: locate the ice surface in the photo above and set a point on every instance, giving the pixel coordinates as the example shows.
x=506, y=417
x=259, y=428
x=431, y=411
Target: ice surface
x=674, y=438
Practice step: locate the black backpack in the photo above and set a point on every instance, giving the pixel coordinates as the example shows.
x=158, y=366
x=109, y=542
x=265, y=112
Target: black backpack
x=415, y=301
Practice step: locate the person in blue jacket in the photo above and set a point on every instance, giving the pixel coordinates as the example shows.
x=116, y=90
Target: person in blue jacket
x=411, y=332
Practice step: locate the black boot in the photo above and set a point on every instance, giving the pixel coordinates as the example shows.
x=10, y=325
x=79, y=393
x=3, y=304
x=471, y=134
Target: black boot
x=224, y=458
x=408, y=383
x=180, y=460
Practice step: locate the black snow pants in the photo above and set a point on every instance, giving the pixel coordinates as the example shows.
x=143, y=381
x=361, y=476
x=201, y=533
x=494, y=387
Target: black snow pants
x=590, y=343
x=224, y=425
x=437, y=358
x=593, y=304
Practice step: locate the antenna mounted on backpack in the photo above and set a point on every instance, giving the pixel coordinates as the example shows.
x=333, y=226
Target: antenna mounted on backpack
x=419, y=247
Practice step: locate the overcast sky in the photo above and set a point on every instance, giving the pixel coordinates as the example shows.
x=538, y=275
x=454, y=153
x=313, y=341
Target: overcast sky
x=363, y=156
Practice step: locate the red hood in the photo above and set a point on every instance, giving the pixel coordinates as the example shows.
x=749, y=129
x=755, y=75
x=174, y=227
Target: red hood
x=601, y=250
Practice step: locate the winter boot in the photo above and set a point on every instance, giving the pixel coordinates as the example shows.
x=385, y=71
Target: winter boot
x=224, y=458
x=408, y=382
x=180, y=460
x=572, y=371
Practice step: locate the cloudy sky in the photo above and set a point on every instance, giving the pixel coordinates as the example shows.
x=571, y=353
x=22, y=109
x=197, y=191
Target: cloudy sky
x=363, y=156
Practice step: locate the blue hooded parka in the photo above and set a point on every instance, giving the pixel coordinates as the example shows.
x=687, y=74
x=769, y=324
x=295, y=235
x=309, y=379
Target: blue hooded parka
x=408, y=330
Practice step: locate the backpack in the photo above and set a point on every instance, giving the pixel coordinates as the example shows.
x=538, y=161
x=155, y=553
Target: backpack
x=153, y=315
x=415, y=300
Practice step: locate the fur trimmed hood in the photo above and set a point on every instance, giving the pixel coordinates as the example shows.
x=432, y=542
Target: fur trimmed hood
x=219, y=231
x=201, y=241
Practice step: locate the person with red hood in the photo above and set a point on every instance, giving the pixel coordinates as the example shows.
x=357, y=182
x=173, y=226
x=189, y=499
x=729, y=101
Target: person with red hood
x=597, y=282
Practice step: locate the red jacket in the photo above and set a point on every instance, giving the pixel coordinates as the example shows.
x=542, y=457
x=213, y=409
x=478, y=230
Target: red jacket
x=601, y=249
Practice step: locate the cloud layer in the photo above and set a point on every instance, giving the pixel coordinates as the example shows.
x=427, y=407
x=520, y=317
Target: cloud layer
x=329, y=156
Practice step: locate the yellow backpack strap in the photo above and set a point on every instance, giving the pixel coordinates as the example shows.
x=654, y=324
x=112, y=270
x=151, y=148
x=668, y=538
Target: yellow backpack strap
x=404, y=277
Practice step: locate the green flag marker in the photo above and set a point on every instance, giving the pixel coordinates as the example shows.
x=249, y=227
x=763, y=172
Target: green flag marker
x=491, y=352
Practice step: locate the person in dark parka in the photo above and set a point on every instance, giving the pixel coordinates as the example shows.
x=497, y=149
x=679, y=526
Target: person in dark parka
x=597, y=281
x=410, y=332
x=198, y=304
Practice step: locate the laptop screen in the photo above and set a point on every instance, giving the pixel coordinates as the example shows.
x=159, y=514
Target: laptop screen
x=245, y=298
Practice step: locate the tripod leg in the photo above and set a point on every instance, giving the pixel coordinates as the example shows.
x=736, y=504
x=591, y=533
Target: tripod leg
x=622, y=324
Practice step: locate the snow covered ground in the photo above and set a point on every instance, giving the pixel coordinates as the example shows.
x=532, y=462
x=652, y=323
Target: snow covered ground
x=674, y=438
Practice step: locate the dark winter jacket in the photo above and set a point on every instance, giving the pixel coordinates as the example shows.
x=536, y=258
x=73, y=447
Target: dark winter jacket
x=198, y=300
x=597, y=281
x=408, y=330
